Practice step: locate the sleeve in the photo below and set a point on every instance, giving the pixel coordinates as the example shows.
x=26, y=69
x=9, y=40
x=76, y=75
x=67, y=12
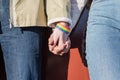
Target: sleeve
x=77, y=7
x=58, y=10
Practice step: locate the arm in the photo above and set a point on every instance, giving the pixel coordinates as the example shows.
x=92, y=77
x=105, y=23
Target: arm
x=59, y=41
x=58, y=36
x=58, y=11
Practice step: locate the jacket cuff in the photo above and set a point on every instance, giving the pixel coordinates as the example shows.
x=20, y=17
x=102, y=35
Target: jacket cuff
x=52, y=22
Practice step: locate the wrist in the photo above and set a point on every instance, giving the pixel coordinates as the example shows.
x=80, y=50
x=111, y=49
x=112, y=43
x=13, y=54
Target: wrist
x=64, y=27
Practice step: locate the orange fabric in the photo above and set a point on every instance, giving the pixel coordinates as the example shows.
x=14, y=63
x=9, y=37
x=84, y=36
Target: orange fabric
x=76, y=70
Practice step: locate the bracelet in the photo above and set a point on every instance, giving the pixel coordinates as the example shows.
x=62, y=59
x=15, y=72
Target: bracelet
x=63, y=28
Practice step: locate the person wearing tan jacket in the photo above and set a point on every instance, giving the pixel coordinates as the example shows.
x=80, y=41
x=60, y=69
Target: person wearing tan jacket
x=24, y=25
x=59, y=49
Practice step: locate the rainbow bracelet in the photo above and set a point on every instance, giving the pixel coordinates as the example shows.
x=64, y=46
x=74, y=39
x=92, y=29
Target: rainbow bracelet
x=63, y=28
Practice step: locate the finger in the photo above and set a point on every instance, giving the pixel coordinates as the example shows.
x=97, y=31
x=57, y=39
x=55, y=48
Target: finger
x=50, y=40
x=61, y=53
x=51, y=47
x=57, y=50
x=68, y=45
x=55, y=39
x=51, y=43
x=67, y=48
x=61, y=45
x=54, y=52
x=61, y=48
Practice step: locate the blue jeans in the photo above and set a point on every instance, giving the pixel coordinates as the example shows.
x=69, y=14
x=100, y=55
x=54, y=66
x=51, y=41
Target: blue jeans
x=22, y=48
x=103, y=40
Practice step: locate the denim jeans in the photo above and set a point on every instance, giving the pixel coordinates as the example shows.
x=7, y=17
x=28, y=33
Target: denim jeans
x=103, y=40
x=22, y=48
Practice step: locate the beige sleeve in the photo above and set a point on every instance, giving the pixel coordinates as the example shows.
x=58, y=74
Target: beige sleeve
x=58, y=10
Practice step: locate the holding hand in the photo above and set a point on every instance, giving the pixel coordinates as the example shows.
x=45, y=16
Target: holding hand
x=59, y=42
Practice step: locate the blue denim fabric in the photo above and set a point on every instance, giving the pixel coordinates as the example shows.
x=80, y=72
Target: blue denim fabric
x=0, y=9
x=103, y=40
x=22, y=48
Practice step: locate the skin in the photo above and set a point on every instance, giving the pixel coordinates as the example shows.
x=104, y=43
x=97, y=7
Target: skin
x=59, y=42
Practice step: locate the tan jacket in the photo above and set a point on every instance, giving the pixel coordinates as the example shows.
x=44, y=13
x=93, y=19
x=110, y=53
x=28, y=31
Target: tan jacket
x=25, y=13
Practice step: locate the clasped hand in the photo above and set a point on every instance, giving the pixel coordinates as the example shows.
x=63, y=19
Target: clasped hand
x=59, y=42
